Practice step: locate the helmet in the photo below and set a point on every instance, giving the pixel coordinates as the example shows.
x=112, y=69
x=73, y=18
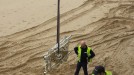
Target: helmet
x=98, y=70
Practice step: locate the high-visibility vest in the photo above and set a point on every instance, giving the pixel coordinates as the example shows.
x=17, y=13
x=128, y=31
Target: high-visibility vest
x=79, y=53
x=107, y=73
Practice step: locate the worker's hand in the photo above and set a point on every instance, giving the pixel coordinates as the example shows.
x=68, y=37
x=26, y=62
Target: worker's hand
x=90, y=60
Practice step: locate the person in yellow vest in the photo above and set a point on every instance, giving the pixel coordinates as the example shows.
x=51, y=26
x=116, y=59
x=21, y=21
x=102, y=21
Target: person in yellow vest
x=100, y=70
x=85, y=55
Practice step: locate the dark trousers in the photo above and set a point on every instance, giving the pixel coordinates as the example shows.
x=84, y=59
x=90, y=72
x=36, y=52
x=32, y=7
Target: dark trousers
x=83, y=65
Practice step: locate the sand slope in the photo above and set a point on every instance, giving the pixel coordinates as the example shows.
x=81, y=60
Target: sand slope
x=106, y=25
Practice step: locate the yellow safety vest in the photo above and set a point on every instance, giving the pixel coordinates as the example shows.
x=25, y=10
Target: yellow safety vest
x=79, y=53
x=107, y=73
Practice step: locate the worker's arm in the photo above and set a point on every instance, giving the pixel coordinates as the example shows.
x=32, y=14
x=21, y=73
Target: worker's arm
x=76, y=50
x=92, y=54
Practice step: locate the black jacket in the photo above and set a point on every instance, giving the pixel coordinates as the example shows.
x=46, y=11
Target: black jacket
x=84, y=57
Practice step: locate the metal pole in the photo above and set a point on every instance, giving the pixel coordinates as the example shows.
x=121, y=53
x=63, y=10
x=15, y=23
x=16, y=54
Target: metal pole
x=58, y=26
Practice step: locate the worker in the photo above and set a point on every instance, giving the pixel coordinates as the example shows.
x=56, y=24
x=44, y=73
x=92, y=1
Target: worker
x=100, y=70
x=85, y=55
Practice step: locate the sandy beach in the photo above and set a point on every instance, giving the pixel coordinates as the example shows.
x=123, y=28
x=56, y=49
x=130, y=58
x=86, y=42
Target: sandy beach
x=28, y=31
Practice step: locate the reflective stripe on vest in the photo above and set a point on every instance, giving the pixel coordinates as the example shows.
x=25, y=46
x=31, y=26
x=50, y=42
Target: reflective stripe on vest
x=79, y=53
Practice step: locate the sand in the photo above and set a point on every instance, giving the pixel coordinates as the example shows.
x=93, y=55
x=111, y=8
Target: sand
x=28, y=30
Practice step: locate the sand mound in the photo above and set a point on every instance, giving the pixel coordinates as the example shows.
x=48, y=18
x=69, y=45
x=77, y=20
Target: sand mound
x=106, y=25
